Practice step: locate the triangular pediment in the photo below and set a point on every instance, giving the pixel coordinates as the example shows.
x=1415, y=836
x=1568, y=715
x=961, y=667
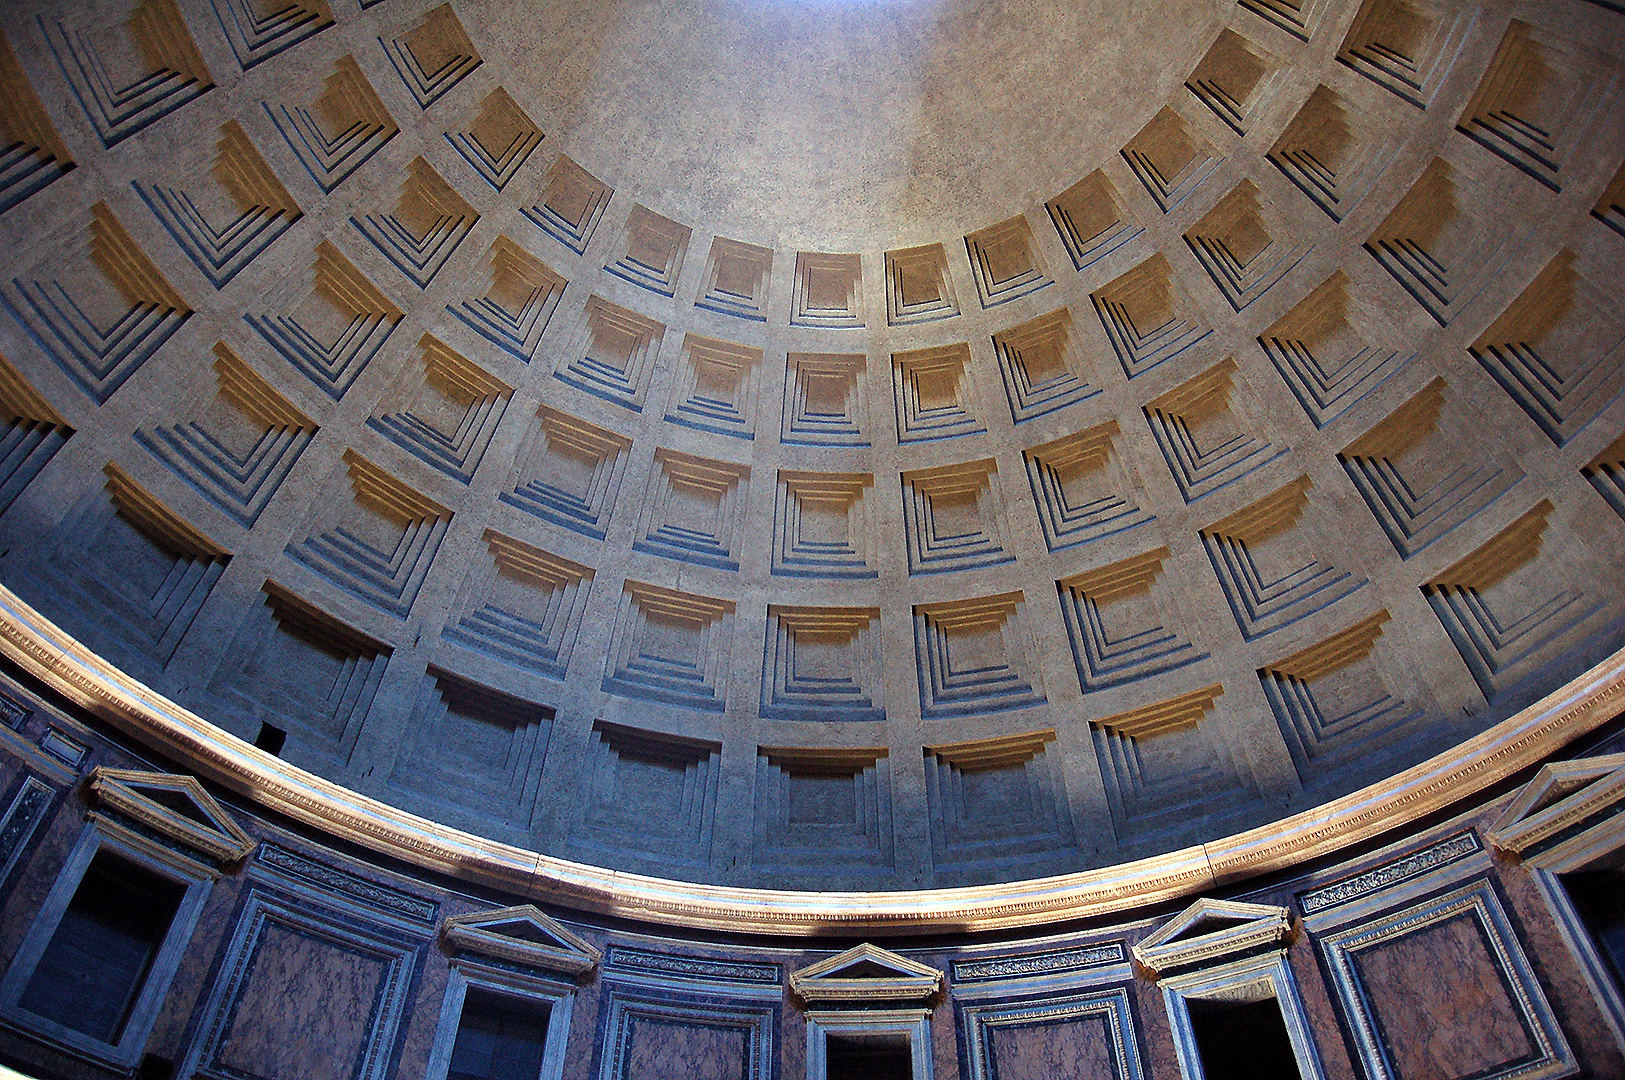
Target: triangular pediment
x=866, y=973
x=1571, y=813
x=1209, y=932
x=174, y=807
x=521, y=935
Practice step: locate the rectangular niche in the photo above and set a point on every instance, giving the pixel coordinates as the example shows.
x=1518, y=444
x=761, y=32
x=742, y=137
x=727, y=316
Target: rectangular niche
x=1164, y=766
x=975, y=656
x=1406, y=46
x=1559, y=349
x=571, y=203
x=715, y=389
x=446, y=417
x=670, y=646
x=935, y=394
x=483, y=745
x=303, y=670
x=858, y=1045
x=378, y=539
x=1334, y=707
x=694, y=510
x=1170, y=159
x=1147, y=317
x=1242, y=1019
x=331, y=329
x=996, y=801
x=238, y=445
x=651, y=793
x=1335, y=149
x=1396, y=996
x=654, y=251
x=737, y=279
x=520, y=294
x=953, y=518
x=822, y=525
x=1091, y=220
x=104, y=940
x=1333, y=349
x=828, y=290
x=1423, y=472
x=823, y=664
x=1004, y=262
x=918, y=288
x=825, y=400
x=816, y=806
x=134, y=570
x=612, y=355
x=569, y=472
x=1043, y=369
x=1083, y=489
x=525, y=606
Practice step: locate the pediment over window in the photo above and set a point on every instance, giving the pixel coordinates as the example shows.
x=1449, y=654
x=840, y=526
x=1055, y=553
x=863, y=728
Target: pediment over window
x=1570, y=814
x=521, y=935
x=866, y=973
x=1211, y=932
x=168, y=813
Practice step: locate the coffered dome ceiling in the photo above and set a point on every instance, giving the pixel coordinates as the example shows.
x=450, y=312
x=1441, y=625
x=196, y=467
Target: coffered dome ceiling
x=817, y=445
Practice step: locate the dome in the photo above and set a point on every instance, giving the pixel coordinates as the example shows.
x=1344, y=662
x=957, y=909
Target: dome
x=841, y=447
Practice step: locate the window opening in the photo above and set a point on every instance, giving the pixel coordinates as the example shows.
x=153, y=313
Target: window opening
x=498, y=1038
x=97, y=960
x=270, y=739
x=884, y=1057
x=1599, y=899
x=1242, y=1040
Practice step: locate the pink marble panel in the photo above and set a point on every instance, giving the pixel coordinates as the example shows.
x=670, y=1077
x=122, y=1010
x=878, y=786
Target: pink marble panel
x=1441, y=1003
x=304, y=1011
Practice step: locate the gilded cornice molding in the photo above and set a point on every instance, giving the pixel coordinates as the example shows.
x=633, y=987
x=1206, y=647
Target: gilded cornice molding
x=1521, y=741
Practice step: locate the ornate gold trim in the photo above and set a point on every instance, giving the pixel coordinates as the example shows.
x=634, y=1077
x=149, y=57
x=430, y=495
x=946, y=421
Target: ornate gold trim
x=1523, y=740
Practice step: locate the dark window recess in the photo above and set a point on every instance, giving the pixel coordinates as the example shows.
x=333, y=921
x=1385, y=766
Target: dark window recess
x=270, y=738
x=154, y=1067
x=498, y=1038
x=1599, y=897
x=873, y=1058
x=1242, y=1040
x=93, y=968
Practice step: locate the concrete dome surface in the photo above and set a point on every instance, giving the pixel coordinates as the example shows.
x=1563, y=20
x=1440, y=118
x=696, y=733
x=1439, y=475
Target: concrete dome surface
x=865, y=447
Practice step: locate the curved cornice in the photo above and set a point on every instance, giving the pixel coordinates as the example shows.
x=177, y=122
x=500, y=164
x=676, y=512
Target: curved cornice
x=43, y=650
